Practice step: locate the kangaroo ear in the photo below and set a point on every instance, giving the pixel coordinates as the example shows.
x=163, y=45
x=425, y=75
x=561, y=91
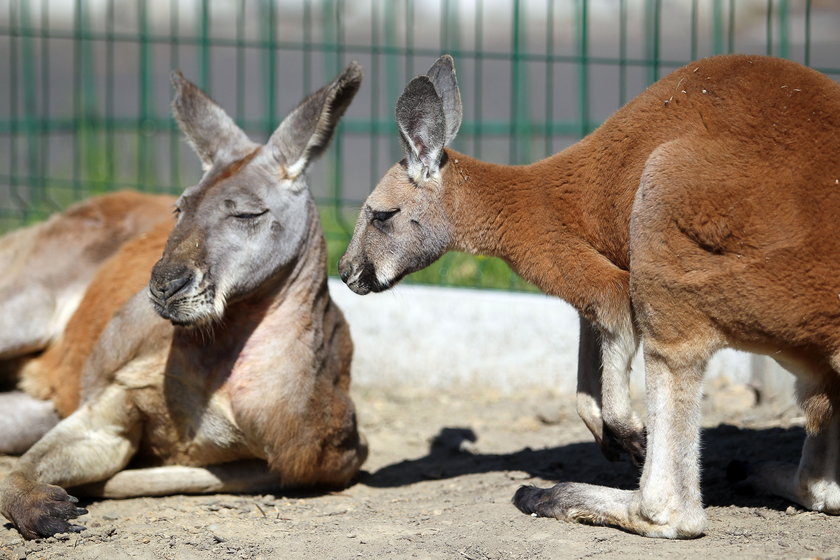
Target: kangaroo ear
x=306, y=132
x=211, y=132
x=442, y=75
x=422, y=127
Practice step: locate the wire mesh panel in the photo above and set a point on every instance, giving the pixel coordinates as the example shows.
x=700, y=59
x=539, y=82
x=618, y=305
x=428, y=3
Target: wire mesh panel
x=84, y=89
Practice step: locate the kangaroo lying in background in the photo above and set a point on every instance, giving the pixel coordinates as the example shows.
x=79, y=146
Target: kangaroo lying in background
x=701, y=215
x=235, y=376
x=46, y=269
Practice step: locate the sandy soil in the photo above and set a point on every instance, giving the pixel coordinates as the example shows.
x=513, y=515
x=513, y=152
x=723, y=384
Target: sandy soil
x=438, y=484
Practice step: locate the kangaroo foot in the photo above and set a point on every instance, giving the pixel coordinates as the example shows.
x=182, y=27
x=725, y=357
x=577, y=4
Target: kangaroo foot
x=38, y=510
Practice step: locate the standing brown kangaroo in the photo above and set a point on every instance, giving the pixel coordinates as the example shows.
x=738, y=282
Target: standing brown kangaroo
x=235, y=376
x=702, y=215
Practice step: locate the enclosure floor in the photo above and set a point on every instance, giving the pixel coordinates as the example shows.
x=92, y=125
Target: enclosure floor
x=428, y=491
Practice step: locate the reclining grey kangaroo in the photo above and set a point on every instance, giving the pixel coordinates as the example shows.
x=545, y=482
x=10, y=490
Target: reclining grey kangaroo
x=229, y=369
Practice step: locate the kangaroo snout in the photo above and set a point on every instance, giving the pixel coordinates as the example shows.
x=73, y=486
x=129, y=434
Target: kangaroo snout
x=170, y=288
x=352, y=274
x=164, y=289
x=167, y=280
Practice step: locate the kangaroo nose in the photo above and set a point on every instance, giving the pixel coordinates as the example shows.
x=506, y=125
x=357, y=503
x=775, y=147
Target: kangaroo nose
x=175, y=285
x=167, y=283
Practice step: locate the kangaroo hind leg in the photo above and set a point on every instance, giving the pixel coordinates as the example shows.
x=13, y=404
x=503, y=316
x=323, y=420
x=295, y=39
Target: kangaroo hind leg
x=815, y=482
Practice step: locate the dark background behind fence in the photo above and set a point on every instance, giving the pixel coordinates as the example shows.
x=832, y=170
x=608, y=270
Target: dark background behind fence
x=84, y=87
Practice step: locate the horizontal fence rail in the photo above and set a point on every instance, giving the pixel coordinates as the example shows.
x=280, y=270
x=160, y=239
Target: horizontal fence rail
x=84, y=87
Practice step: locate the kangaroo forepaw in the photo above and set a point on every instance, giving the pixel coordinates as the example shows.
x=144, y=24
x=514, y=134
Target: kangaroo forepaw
x=44, y=510
x=620, y=440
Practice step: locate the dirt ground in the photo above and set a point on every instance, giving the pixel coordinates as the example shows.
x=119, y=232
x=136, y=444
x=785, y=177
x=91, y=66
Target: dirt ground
x=438, y=484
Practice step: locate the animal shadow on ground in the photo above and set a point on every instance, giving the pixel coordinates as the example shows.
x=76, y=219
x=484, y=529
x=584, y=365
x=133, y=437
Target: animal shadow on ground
x=723, y=446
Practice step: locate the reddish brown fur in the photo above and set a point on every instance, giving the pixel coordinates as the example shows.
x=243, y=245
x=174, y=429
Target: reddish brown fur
x=122, y=276
x=563, y=221
x=69, y=249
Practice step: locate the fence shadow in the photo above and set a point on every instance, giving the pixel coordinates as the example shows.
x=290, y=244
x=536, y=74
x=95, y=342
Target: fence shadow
x=583, y=462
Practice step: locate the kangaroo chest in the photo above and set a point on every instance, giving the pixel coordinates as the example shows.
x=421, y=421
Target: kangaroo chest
x=187, y=412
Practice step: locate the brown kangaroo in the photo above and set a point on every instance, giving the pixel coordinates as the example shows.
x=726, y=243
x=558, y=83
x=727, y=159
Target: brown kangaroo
x=46, y=269
x=235, y=376
x=701, y=215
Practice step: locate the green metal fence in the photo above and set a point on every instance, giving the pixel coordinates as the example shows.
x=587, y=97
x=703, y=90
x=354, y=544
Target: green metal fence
x=84, y=88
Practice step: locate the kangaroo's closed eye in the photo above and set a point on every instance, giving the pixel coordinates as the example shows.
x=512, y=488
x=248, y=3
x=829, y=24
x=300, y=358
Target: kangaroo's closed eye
x=249, y=215
x=382, y=216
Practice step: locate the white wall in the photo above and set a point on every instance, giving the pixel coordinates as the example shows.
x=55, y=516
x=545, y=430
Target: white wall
x=433, y=337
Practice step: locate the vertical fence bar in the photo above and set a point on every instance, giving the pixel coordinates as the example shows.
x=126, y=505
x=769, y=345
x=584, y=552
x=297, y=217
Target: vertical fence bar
x=174, y=63
x=30, y=100
x=514, y=78
x=583, y=65
x=519, y=141
x=145, y=85
x=333, y=25
x=373, y=168
x=730, y=31
x=240, y=63
x=395, y=78
x=444, y=25
x=622, y=52
x=784, y=29
x=44, y=131
x=78, y=109
x=13, y=114
x=694, y=29
x=717, y=27
x=549, y=80
x=110, y=164
x=307, y=45
x=409, y=40
x=93, y=170
x=807, y=54
x=204, y=45
x=652, y=23
x=769, y=28
x=269, y=30
x=478, y=85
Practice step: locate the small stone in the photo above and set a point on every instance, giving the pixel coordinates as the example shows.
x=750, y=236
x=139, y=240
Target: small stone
x=517, y=475
x=791, y=511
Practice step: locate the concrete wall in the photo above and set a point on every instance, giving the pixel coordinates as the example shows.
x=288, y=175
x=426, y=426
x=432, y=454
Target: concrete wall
x=433, y=337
